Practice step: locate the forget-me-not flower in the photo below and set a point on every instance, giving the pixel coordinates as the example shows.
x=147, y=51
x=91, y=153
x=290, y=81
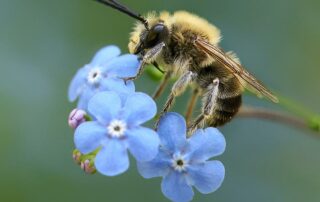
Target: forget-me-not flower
x=183, y=162
x=117, y=128
x=104, y=72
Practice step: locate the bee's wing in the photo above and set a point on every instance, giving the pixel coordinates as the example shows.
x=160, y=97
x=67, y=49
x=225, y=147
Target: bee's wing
x=245, y=78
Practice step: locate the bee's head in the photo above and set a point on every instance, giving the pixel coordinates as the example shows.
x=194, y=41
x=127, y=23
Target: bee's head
x=148, y=38
x=144, y=37
x=148, y=32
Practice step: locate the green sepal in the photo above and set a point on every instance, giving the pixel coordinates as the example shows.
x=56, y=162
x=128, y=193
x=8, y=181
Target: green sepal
x=87, y=117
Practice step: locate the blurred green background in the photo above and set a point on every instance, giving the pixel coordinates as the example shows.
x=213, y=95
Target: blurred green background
x=42, y=43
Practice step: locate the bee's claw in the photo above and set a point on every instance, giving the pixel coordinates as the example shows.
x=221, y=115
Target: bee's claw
x=157, y=118
x=156, y=125
x=126, y=79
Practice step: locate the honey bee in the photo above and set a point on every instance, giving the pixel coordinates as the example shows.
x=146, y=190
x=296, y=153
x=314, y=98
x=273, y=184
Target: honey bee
x=187, y=46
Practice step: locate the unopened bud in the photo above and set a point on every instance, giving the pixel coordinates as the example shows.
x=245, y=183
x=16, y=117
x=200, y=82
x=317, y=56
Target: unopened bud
x=76, y=117
x=76, y=155
x=87, y=166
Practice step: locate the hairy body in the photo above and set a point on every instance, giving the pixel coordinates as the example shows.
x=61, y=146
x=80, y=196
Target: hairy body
x=180, y=57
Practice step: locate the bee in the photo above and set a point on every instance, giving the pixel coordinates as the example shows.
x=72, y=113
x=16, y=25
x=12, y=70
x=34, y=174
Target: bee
x=187, y=47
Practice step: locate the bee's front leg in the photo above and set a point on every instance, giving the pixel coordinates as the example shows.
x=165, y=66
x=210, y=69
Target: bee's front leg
x=147, y=58
x=140, y=70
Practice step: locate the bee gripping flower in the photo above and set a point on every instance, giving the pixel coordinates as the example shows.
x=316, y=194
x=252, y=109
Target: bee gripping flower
x=116, y=129
x=183, y=162
x=103, y=73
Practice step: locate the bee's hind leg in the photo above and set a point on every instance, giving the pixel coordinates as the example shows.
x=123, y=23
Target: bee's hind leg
x=209, y=104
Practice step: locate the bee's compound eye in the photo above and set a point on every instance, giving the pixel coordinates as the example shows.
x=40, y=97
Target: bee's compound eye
x=155, y=35
x=158, y=28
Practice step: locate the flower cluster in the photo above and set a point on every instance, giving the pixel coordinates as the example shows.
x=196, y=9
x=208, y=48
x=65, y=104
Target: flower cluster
x=108, y=124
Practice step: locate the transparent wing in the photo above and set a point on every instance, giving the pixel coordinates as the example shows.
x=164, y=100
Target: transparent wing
x=245, y=78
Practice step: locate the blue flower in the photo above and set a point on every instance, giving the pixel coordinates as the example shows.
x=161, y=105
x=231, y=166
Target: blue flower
x=116, y=129
x=103, y=73
x=183, y=162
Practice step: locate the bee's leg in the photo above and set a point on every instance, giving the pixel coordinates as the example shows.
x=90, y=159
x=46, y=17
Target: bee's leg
x=199, y=122
x=178, y=88
x=162, y=85
x=191, y=104
x=148, y=57
x=209, y=104
x=140, y=70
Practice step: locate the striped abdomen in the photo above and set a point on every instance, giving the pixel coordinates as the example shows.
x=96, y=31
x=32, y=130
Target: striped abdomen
x=228, y=98
x=226, y=109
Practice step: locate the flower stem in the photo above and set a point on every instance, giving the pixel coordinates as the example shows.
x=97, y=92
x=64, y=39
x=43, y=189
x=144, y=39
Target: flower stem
x=295, y=108
x=300, y=122
x=254, y=112
x=301, y=116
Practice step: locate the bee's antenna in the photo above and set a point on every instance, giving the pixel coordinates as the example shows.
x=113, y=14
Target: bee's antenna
x=118, y=6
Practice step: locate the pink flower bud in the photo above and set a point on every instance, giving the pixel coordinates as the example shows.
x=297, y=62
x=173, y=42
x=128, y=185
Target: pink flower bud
x=88, y=167
x=76, y=117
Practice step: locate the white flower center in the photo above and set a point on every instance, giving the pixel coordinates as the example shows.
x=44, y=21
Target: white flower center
x=179, y=163
x=94, y=75
x=117, y=128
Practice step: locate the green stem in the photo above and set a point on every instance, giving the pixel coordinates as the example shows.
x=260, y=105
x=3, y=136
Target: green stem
x=276, y=116
x=311, y=118
x=302, y=116
x=295, y=108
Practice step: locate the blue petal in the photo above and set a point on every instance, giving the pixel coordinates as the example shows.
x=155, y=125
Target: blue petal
x=88, y=136
x=123, y=66
x=175, y=187
x=104, y=106
x=104, y=55
x=112, y=159
x=117, y=85
x=78, y=84
x=143, y=143
x=159, y=166
x=87, y=94
x=139, y=108
x=206, y=177
x=172, y=131
x=204, y=144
